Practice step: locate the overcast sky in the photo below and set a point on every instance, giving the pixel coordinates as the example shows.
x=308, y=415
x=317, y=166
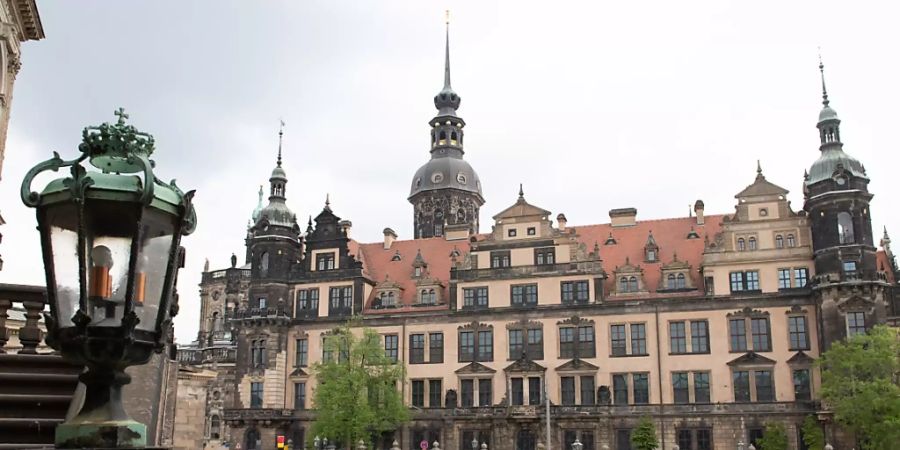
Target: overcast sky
x=592, y=105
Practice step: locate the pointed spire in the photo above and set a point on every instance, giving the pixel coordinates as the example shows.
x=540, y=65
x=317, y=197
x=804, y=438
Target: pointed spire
x=280, y=138
x=447, y=53
x=521, y=192
x=886, y=238
x=309, y=227
x=328, y=201
x=822, y=72
x=758, y=169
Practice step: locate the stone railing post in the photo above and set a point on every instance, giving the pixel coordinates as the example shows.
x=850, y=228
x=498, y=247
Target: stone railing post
x=4, y=333
x=30, y=335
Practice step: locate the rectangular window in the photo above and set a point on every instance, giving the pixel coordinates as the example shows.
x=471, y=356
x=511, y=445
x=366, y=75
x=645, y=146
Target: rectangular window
x=617, y=339
x=535, y=344
x=307, y=302
x=801, y=277
x=436, y=347
x=499, y=259
x=475, y=297
x=623, y=439
x=784, y=278
x=256, y=395
x=694, y=439
x=518, y=391
x=485, y=392
x=752, y=277
x=585, y=347
x=467, y=392
x=737, y=281
x=261, y=302
x=567, y=385
x=325, y=261
x=741, y=382
x=300, y=395
x=704, y=439
x=640, y=384
x=587, y=390
x=485, y=346
x=418, y=393
x=701, y=387
x=620, y=389
x=677, y=338
x=434, y=393
x=574, y=292
x=524, y=295
x=850, y=267
x=762, y=341
x=856, y=323
x=699, y=336
x=416, y=348
x=391, y=346
x=511, y=232
x=709, y=284
x=765, y=391
x=302, y=353
x=797, y=333
x=567, y=342
x=532, y=231
x=680, y=387
x=516, y=344
x=738, y=332
x=801, y=385
x=340, y=300
x=466, y=346
x=638, y=339
x=544, y=256
x=685, y=439
x=534, y=391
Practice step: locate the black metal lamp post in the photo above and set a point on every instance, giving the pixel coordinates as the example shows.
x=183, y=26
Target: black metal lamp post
x=110, y=242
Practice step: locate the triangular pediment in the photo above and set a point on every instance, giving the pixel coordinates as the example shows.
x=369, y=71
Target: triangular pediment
x=801, y=358
x=473, y=368
x=299, y=372
x=751, y=359
x=521, y=209
x=524, y=365
x=577, y=365
x=761, y=188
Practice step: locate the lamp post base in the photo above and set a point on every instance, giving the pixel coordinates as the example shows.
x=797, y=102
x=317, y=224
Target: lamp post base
x=117, y=434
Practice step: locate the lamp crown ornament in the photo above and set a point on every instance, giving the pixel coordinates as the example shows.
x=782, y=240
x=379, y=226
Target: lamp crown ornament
x=113, y=147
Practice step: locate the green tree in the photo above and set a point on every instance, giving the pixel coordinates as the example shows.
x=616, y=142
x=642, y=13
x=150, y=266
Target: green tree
x=644, y=436
x=774, y=437
x=357, y=394
x=812, y=433
x=860, y=379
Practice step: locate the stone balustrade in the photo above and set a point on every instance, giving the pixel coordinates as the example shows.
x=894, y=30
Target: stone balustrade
x=21, y=323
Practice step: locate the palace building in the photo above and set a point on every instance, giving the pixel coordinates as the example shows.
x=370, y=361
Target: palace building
x=709, y=324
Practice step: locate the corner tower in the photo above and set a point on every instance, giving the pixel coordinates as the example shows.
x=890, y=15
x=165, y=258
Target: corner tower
x=848, y=285
x=446, y=191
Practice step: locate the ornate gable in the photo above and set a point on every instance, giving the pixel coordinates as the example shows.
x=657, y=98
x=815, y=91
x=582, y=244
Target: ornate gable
x=751, y=359
x=577, y=365
x=630, y=278
x=675, y=275
x=524, y=365
x=474, y=368
x=801, y=359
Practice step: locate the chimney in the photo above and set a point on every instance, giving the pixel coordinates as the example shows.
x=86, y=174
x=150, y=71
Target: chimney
x=698, y=210
x=561, y=221
x=345, y=225
x=623, y=217
x=389, y=237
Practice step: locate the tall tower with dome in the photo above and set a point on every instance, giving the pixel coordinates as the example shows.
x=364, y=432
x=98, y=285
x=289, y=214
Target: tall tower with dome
x=446, y=192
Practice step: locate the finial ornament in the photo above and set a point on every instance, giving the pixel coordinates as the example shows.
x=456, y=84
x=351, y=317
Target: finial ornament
x=328, y=201
x=822, y=72
x=280, y=138
x=521, y=192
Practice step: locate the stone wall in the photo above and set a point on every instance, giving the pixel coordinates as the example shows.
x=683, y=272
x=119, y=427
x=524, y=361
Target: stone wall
x=190, y=422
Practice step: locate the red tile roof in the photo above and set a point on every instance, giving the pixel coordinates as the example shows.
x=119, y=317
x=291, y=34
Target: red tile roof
x=670, y=235
x=882, y=262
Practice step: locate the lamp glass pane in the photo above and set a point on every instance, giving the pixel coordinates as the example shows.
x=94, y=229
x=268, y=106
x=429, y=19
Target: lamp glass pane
x=62, y=224
x=110, y=229
x=152, y=265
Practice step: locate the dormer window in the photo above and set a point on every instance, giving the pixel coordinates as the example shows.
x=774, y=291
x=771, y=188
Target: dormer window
x=437, y=177
x=693, y=234
x=417, y=272
x=651, y=255
x=427, y=297
x=675, y=281
x=396, y=256
x=651, y=250
x=610, y=240
x=461, y=178
x=628, y=284
x=325, y=261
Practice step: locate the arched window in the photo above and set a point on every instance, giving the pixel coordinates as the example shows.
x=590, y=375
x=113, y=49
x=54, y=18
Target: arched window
x=214, y=424
x=453, y=137
x=790, y=240
x=680, y=284
x=632, y=284
x=216, y=324
x=438, y=223
x=264, y=264
x=253, y=442
x=391, y=301
x=670, y=281
x=623, y=284
x=443, y=138
x=845, y=228
x=752, y=243
x=779, y=241
x=431, y=296
x=741, y=245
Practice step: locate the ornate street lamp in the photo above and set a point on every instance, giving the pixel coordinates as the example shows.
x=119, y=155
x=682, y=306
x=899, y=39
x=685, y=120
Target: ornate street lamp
x=111, y=250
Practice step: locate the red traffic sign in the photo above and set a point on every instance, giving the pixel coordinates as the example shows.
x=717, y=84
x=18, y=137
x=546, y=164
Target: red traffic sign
x=423, y=445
